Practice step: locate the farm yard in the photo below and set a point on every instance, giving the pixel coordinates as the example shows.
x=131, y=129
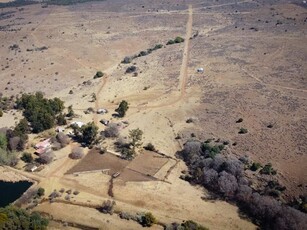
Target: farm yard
x=142, y=168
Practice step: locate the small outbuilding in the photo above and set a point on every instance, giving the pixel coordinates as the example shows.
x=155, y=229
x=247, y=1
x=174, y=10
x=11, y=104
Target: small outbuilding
x=104, y=121
x=77, y=123
x=102, y=111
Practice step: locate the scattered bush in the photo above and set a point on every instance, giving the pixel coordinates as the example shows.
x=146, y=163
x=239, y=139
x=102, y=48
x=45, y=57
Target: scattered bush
x=176, y=40
x=239, y=120
x=158, y=46
x=126, y=216
x=243, y=131
x=131, y=69
x=170, y=42
x=107, y=207
x=148, y=219
x=268, y=170
x=40, y=192
x=1, y=113
x=190, y=120
x=150, y=147
x=127, y=60
x=255, y=166
x=98, y=74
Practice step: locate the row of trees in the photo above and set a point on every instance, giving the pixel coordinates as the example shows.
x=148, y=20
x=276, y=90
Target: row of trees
x=226, y=177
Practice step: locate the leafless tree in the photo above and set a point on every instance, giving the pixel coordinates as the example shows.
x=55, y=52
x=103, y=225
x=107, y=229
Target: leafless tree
x=112, y=130
x=210, y=177
x=46, y=158
x=228, y=184
x=63, y=139
x=76, y=153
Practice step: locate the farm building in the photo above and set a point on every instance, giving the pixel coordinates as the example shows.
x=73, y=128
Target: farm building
x=42, y=147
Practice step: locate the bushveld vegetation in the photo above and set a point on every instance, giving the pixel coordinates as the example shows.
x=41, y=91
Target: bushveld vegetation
x=225, y=176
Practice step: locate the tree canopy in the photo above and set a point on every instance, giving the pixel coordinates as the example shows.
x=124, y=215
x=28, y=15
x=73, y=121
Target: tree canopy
x=12, y=217
x=39, y=111
x=122, y=108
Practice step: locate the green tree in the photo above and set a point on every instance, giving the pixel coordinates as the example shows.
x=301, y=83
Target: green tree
x=27, y=157
x=12, y=217
x=22, y=128
x=71, y=112
x=122, y=108
x=178, y=40
x=3, y=141
x=40, y=192
x=89, y=132
x=39, y=111
x=136, y=136
x=61, y=119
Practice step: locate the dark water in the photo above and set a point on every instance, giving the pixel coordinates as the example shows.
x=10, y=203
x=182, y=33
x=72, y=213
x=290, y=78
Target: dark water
x=9, y=192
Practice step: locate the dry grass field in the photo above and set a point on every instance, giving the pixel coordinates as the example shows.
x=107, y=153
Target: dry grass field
x=254, y=57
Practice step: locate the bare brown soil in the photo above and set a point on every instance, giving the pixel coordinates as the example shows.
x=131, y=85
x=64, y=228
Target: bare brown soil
x=95, y=161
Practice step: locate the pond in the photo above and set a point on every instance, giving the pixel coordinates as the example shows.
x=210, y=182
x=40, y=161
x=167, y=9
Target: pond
x=9, y=191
